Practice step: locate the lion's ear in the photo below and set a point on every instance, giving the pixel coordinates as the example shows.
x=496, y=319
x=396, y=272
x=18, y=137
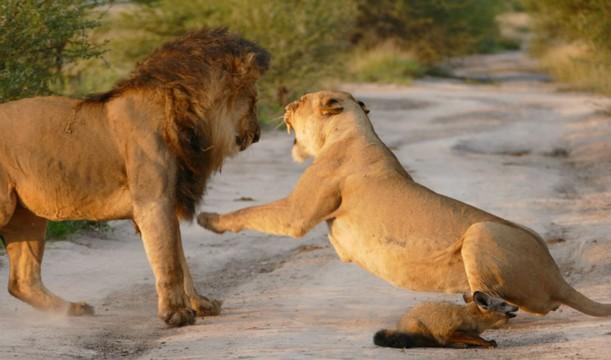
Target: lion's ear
x=362, y=105
x=331, y=106
x=245, y=66
x=252, y=64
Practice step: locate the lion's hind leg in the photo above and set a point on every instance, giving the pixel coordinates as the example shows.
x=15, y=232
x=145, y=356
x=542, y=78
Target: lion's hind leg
x=511, y=263
x=24, y=238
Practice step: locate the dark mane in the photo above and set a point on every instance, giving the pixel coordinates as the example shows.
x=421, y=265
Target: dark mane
x=187, y=61
x=190, y=73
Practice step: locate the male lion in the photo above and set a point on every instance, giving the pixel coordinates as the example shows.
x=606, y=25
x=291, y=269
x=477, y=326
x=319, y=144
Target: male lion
x=141, y=151
x=387, y=223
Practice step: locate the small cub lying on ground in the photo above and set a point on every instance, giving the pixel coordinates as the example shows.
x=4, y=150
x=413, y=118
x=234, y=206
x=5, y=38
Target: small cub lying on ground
x=444, y=324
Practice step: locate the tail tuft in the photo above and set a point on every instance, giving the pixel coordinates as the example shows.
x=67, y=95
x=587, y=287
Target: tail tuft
x=401, y=340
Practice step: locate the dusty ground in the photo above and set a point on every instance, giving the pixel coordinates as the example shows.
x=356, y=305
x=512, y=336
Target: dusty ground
x=508, y=142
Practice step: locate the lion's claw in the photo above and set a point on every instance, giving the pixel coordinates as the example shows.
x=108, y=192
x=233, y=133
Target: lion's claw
x=180, y=317
x=209, y=221
x=207, y=307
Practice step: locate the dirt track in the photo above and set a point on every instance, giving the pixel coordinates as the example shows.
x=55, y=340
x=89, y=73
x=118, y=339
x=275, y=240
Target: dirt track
x=508, y=142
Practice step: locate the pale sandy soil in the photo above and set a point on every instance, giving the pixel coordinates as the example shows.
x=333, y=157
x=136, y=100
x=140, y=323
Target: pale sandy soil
x=514, y=146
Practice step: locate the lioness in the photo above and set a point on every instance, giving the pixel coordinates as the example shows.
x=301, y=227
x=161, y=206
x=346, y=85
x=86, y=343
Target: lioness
x=403, y=232
x=141, y=151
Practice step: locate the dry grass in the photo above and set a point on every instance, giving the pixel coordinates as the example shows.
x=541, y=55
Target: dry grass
x=514, y=26
x=385, y=63
x=576, y=65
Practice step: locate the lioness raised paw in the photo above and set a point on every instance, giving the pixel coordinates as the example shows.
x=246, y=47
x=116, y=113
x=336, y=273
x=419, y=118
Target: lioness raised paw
x=210, y=221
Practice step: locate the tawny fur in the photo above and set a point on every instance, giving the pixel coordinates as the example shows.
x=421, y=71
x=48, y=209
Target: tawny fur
x=141, y=151
x=445, y=324
x=381, y=219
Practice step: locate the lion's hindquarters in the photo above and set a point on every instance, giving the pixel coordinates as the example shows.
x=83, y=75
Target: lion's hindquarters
x=63, y=159
x=509, y=262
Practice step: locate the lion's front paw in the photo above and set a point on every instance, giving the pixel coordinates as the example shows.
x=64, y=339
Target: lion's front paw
x=210, y=221
x=179, y=317
x=204, y=306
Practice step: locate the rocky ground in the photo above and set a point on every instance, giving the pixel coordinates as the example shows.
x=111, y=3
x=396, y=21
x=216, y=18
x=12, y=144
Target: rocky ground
x=498, y=136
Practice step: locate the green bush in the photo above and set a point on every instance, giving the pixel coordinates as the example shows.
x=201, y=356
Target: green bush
x=433, y=29
x=37, y=40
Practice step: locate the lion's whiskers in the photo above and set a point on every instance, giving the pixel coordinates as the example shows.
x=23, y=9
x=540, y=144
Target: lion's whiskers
x=279, y=120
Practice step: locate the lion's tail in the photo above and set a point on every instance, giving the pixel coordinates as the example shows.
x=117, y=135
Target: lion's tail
x=400, y=340
x=580, y=302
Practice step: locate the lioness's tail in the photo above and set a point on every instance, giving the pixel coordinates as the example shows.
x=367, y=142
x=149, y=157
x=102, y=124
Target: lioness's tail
x=580, y=302
x=397, y=339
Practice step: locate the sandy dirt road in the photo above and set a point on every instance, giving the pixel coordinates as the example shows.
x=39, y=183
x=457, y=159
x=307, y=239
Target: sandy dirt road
x=512, y=144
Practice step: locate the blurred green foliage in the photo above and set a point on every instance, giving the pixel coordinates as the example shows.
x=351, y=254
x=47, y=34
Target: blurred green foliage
x=309, y=40
x=587, y=21
x=62, y=229
x=306, y=38
x=385, y=63
x=583, y=24
x=433, y=29
x=38, y=39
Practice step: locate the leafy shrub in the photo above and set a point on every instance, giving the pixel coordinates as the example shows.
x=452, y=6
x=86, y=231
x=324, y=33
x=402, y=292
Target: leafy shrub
x=37, y=40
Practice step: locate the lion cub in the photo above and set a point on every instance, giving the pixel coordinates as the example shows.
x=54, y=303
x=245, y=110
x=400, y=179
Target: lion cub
x=443, y=324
